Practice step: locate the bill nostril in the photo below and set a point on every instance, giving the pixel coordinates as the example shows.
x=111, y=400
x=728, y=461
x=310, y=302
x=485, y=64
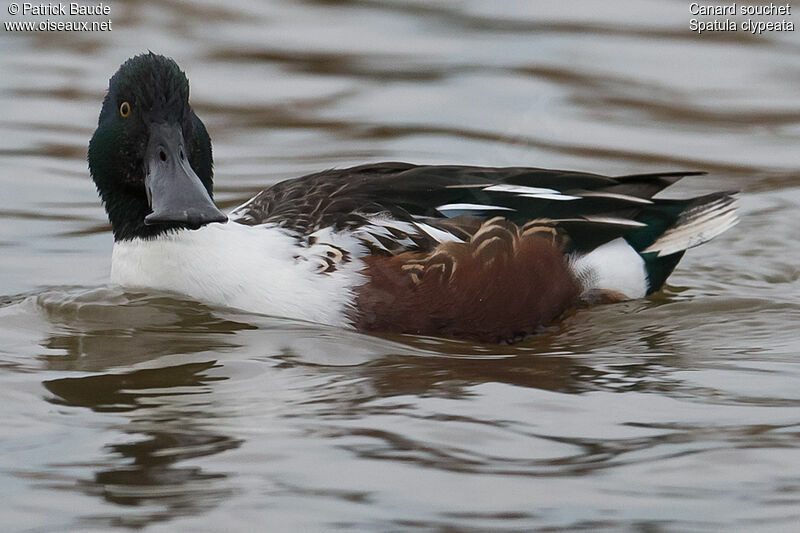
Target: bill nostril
x=181, y=155
x=162, y=155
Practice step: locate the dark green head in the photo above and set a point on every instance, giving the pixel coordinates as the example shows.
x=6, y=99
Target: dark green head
x=150, y=156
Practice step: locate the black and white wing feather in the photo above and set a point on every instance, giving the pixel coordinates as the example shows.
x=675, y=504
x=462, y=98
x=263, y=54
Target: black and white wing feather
x=397, y=207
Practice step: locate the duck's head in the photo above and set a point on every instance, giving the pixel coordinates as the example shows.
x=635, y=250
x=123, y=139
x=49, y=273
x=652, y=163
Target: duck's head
x=150, y=156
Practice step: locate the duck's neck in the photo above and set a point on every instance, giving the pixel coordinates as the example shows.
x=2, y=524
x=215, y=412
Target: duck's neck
x=126, y=209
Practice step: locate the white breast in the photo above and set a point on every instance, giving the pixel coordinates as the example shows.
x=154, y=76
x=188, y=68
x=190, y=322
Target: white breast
x=254, y=268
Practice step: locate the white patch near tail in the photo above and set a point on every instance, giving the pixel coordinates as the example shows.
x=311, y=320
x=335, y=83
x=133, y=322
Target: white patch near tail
x=614, y=267
x=697, y=225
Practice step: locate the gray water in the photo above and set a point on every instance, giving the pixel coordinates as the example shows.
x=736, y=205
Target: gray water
x=142, y=411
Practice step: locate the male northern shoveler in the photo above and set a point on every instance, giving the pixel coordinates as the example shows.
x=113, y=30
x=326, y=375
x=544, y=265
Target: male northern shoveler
x=488, y=254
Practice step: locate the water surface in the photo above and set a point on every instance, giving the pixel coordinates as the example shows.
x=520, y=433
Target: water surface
x=135, y=410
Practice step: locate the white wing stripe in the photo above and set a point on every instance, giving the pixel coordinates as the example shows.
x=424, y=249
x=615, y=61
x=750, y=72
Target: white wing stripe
x=520, y=189
x=472, y=207
x=601, y=194
x=439, y=235
x=544, y=196
x=615, y=221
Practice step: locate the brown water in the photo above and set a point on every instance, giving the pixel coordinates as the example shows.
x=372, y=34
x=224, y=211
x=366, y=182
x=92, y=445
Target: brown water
x=680, y=412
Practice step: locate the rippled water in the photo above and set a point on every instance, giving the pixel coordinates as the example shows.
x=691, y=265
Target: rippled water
x=680, y=412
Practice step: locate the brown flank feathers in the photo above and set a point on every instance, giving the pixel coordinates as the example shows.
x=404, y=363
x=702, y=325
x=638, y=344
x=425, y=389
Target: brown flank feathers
x=499, y=286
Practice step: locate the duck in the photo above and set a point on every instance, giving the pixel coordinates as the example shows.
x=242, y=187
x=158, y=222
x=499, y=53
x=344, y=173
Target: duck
x=484, y=254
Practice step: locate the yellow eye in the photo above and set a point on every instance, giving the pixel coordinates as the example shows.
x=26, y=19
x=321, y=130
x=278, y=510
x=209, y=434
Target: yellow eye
x=125, y=109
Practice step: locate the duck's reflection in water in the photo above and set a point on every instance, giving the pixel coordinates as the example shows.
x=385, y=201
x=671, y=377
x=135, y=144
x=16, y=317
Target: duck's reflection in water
x=98, y=329
x=146, y=472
